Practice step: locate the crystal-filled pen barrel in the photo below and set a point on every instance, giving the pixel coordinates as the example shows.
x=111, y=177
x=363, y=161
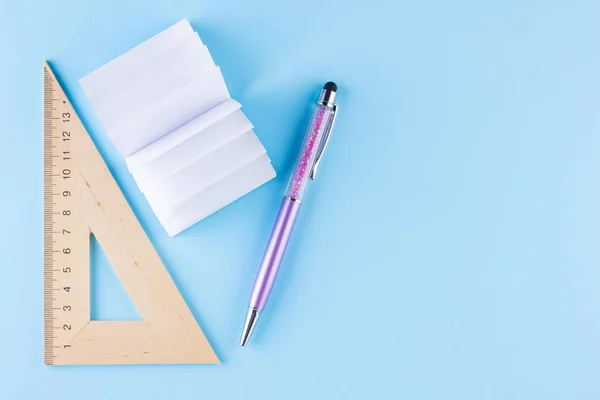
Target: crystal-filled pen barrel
x=313, y=144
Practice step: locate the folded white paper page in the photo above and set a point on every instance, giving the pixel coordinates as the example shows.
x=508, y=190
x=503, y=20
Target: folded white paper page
x=184, y=133
x=217, y=196
x=136, y=57
x=166, y=107
x=171, y=72
x=183, y=55
x=164, y=193
x=194, y=148
x=169, y=114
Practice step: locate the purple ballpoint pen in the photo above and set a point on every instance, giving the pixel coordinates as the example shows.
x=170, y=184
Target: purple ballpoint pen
x=306, y=168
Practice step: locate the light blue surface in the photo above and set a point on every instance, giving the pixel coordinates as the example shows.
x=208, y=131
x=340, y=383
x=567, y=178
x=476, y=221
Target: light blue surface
x=449, y=250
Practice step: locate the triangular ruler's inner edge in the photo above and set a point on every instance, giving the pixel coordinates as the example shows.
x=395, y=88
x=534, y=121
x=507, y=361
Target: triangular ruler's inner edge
x=109, y=300
x=81, y=197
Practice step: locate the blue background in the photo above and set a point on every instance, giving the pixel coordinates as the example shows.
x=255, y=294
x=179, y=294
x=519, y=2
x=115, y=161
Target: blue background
x=449, y=249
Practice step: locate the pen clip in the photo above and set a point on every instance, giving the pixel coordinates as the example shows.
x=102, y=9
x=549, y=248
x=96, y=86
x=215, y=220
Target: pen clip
x=323, y=145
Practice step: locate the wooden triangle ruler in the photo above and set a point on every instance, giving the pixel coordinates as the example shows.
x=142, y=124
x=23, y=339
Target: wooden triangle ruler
x=82, y=198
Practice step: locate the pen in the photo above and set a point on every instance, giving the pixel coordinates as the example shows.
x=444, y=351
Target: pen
x=311, y=153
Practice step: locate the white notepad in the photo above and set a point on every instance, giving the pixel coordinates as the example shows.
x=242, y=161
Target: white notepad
x=187, y=143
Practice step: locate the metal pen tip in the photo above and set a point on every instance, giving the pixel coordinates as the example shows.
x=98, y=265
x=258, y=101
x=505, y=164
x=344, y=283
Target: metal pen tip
x=251, y=319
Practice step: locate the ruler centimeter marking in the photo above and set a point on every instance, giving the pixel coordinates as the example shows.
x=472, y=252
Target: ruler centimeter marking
x=48, y=221
x=58, y=195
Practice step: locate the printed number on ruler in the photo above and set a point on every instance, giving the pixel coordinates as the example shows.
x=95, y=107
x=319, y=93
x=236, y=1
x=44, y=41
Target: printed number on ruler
x=64, y=213
x=63, y=228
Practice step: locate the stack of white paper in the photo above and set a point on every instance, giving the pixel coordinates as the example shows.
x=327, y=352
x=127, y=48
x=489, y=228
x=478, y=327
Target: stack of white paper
x=188, y=145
